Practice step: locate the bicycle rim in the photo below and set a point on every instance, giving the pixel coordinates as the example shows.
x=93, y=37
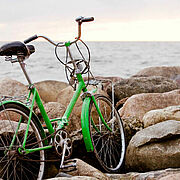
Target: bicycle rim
x=15, y=165
x=109, y=147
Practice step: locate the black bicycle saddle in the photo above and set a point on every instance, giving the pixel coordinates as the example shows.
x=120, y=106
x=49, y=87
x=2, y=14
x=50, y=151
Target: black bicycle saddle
x=14, y=48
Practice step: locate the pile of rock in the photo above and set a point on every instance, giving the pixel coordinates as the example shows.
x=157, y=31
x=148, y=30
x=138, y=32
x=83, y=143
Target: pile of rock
x=149, y=105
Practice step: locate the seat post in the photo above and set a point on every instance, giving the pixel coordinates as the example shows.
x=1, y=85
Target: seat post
x=21, y=59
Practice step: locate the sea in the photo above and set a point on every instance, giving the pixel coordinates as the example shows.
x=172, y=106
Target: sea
x=120, y=59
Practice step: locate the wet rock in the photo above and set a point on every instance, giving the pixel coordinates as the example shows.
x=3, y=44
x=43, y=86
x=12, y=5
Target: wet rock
x=155, y=116
x=136, y=85
x=50, y=89
x=137, y=105
x=155, y=147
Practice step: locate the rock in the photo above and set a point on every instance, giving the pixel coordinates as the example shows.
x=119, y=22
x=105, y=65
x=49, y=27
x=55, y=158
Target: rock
x=166, y=71
x=177, y=79
x=136, y=85
x=12, y=87
x=152, y=175
x=74, y=178
x=137, y=105
x=171, y=176
x=155, y=147
x=131, y=125
x=55, y=110
x=120, y=103
x=84, y=169
x=155, y=116
x=105, y=80
x=49, y=90
x=66, y=95
x=7, y=127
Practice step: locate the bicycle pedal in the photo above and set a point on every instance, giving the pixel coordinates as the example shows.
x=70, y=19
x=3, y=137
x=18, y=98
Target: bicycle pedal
x=68, y=166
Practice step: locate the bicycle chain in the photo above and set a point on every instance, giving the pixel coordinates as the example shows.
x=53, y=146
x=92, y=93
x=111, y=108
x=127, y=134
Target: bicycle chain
x=33, y=160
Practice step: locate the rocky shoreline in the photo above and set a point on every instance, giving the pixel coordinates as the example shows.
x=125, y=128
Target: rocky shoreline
x=149, y=104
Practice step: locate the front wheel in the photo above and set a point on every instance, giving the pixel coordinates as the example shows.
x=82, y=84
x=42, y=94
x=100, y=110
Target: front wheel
x=108, y=143
x=15, y=165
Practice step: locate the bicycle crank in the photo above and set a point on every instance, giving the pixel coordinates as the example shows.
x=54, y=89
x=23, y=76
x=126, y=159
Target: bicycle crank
x=63, y=145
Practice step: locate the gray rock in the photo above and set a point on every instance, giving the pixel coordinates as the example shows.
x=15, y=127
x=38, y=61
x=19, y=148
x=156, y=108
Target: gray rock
x=155, y=147
x=136, y=85
x=166, y=71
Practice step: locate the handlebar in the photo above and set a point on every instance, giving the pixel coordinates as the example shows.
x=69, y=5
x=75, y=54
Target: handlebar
x=80, y=20
x=32, y=38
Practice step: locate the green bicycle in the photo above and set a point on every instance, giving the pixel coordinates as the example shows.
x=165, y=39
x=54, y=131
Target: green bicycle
x=23, y=139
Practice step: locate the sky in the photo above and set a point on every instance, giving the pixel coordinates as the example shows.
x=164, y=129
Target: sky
x=115, y=20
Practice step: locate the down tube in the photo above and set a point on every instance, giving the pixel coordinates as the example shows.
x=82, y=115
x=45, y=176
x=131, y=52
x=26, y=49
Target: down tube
x=71, y=106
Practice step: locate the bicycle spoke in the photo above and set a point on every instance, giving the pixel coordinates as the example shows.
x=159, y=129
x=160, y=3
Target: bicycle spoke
x=14, y=165
x=108, y=145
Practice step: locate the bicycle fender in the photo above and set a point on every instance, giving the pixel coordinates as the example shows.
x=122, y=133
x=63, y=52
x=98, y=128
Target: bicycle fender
x=85, y=124
x=37, y=119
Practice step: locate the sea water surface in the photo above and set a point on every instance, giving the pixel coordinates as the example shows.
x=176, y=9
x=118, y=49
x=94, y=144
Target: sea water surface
x=122, y=59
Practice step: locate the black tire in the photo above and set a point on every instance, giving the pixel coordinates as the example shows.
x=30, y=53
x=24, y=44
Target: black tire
x=109, y=147
x=13, y=164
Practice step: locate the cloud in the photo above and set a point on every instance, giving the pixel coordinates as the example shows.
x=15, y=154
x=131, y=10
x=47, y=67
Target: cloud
x=55, y=18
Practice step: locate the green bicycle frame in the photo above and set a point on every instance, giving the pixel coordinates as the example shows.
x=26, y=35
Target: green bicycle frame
x=62, y=122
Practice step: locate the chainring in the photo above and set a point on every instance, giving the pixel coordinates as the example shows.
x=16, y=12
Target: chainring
x=62, y=137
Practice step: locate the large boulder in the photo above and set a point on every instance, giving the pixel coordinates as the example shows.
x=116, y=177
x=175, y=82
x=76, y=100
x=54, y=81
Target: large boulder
x=10, y=87
x=155, y=147
x=170, y=72
x=137, y=105
x=159, y=115
x=56, y=110
x=136, y=85
x=50, y=89
x=64, y=97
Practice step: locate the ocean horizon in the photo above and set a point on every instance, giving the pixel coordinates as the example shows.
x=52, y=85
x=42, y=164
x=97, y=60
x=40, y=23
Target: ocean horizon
x=108, y=58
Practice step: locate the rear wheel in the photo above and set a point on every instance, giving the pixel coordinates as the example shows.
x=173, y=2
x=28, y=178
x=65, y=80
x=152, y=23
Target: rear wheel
x=14, y=164
x=109, y=146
